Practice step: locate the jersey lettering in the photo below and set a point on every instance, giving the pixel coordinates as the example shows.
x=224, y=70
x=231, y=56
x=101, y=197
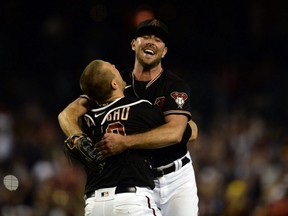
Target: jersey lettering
x=120, y=114
x=160, y=102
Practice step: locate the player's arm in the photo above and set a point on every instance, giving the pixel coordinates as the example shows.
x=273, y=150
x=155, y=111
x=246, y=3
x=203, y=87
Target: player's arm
x=78, y=146
x=68, y=118
x=194, y=133
x=165, y=135
x=168, y=134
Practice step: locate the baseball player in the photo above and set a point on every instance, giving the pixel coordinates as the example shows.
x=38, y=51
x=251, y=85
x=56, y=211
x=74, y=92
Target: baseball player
x=175, y=186
x=121, y=184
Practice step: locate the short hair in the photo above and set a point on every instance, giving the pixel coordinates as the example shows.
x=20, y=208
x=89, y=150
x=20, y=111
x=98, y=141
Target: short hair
x=95, y=81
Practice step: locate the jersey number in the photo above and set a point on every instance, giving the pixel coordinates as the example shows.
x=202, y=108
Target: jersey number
x=116, y=127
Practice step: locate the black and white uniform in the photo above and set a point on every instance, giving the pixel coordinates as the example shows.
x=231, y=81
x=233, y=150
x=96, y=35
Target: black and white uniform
x=175, y=184
x=124, y=184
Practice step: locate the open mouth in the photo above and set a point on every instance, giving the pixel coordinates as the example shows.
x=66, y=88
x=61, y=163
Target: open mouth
x=149, y=52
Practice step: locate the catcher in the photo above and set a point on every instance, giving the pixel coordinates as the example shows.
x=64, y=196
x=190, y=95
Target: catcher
x=121, y=184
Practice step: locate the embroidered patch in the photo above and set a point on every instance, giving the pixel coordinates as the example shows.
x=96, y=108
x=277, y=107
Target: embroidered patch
x=180, y=98
x=160, y=101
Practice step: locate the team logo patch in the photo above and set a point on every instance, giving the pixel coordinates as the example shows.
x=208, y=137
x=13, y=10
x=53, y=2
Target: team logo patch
x=180, y=98
x=154, y=23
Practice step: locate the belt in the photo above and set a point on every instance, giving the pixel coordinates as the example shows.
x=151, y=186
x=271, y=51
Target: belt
x=125, y=190
x=118, y=190
x=161, y=172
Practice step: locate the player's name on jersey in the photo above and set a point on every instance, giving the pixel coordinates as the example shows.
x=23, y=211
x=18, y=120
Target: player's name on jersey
x=119, y=114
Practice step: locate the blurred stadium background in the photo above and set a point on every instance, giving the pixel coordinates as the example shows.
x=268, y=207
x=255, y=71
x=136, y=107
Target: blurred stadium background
x=232, y=53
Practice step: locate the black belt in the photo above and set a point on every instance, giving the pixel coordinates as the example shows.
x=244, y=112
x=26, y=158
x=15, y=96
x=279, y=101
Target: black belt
x=172, y=168
x=118, y=190
x=125, y=190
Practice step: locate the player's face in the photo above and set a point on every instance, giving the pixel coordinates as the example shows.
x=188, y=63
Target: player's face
x=149, y=50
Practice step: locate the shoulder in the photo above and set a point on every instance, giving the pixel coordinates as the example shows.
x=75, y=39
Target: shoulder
x=172, y=79
x=84, y=100
x=139, y=105
x=136, y=101
x=144, y=108
x=172, y=76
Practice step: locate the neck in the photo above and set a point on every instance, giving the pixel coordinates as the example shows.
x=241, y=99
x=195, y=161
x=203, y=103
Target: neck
x=112, y=98
x=146, y=74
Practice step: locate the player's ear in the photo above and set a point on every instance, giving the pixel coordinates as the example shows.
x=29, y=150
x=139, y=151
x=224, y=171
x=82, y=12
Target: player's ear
x=114, y=84
x=164, y=52
x=133, y=44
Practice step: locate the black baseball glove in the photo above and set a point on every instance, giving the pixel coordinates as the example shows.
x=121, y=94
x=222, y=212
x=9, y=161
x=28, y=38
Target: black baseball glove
x=83, y=150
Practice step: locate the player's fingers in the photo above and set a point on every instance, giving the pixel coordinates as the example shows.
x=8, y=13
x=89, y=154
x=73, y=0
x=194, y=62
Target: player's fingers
x=102, y=147
x=101, y=144
x=105, y=153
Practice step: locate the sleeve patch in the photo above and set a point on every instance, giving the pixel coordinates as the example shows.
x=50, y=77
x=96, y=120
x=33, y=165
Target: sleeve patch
x=179, y=98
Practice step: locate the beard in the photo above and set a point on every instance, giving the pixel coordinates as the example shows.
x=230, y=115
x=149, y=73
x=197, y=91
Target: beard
x=148, y=64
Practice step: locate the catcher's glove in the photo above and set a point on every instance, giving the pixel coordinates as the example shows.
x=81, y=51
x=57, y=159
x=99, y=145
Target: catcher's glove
x=83, y=151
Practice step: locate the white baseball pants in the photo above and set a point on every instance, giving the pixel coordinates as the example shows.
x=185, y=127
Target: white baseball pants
x=176, y=193
x=106, y=203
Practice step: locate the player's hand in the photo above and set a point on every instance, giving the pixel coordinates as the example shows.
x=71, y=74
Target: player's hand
x=111, y=144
